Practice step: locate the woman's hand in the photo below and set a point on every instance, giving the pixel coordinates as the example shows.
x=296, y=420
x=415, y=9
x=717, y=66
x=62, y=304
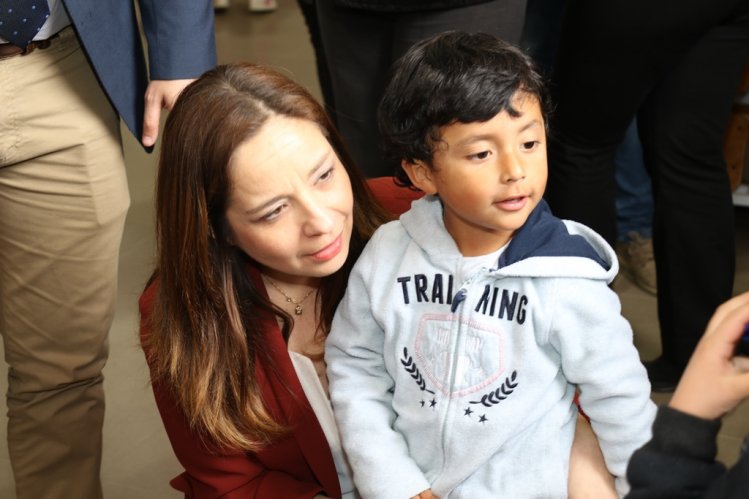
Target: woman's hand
x=588, y=476
x=426, y=494
x=715, y=381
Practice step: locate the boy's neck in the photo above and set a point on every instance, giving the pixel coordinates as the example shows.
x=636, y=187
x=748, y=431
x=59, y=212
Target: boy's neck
x=470, y=245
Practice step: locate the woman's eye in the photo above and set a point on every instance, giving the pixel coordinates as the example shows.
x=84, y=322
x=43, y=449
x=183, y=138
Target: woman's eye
x=272, y=215
x=327, y=174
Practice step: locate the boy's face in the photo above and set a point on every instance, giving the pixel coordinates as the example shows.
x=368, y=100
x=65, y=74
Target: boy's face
x=489, y=175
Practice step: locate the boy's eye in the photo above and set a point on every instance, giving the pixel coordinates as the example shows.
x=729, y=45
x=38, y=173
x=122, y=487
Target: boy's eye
x=529, y=146
x=479, y=155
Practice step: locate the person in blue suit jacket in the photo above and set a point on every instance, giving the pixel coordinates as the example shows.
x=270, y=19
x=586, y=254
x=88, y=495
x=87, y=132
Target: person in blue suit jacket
x=63, y=201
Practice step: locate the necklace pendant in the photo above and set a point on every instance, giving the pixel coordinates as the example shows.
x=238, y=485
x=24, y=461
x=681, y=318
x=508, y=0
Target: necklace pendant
x=298, y=310
x=288, y=299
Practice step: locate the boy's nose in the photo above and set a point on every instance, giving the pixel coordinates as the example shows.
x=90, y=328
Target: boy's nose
x=511, y=169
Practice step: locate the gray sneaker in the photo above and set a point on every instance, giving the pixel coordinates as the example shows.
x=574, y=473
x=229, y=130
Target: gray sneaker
x=637, y=261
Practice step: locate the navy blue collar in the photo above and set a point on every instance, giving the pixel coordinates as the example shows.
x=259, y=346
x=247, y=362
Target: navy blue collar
x=543, y=234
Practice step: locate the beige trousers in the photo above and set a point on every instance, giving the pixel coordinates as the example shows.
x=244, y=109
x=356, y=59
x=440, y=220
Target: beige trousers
x=63, y=201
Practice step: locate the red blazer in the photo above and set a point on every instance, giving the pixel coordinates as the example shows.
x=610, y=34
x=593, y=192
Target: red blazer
x=299, y=466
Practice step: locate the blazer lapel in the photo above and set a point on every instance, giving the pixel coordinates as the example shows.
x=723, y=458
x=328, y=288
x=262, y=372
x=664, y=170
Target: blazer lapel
x=288, y=393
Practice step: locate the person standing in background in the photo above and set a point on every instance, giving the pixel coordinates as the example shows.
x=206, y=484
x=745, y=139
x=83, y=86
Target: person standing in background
x=634, y=213
x=362, y=38
x=676, y=66
x=634, y=194
x=309, y=12
x=64, y=84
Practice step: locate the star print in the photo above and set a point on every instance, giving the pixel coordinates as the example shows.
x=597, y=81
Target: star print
x=468, y=412
x=432, y=403
x=422, y=403
x=482, y=418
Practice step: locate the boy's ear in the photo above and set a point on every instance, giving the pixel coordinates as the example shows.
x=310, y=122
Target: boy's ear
x=421, y=175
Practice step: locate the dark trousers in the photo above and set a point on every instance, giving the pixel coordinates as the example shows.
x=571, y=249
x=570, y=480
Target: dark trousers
x=309, y=12
x=361, y=46
x=676, y=66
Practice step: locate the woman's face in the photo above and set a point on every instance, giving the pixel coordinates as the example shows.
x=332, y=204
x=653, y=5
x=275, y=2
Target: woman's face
x=290, y=204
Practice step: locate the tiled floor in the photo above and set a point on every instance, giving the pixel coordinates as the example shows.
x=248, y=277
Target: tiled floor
x=138, y=461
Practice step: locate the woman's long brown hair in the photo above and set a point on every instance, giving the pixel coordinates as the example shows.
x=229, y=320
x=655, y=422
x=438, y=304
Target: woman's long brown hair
x=207, y=320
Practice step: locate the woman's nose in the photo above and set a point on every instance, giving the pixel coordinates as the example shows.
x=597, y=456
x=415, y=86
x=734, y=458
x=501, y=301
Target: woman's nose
x=318, y=218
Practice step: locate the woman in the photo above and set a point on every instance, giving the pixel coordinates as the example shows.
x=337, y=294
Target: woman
x=257, y=229
x=260, y=216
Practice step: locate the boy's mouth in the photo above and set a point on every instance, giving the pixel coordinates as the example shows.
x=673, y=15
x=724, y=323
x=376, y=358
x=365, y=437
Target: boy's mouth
x=512, y=203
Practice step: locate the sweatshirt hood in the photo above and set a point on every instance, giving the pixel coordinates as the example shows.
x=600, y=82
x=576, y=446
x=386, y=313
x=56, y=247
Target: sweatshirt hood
x=544, y=246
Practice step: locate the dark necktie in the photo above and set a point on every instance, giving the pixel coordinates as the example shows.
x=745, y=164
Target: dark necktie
x=21, y=20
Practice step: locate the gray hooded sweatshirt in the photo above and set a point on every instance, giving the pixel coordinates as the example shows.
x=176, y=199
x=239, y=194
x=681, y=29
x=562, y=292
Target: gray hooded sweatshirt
x=460, y=377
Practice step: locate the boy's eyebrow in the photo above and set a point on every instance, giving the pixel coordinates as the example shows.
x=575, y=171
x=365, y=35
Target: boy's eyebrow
x=488, y=136
x=534, y=122
x=474, y=138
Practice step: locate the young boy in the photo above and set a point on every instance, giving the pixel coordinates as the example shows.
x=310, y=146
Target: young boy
x=467, y=325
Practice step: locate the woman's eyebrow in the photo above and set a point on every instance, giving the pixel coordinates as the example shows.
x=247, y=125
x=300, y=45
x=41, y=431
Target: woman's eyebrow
x=323, y=160
x=315, y=167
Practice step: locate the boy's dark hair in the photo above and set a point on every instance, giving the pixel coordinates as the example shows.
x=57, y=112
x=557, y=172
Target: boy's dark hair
x=448, y=78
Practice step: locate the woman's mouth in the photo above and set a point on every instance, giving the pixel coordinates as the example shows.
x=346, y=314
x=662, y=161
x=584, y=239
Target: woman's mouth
x=329, y=251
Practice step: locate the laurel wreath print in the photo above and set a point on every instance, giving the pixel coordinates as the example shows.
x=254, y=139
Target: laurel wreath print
x=495, y=397
x=410, y=366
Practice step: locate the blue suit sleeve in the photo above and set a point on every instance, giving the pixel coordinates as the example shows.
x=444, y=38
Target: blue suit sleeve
x=180, y=37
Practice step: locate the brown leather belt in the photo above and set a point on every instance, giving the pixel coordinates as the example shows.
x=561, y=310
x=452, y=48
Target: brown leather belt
x=10, y=50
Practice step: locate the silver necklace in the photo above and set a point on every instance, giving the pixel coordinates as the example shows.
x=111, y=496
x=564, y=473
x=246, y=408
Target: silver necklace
x=297, y=304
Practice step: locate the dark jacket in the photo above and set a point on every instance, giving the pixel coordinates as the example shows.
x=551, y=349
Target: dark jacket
x=679, y=462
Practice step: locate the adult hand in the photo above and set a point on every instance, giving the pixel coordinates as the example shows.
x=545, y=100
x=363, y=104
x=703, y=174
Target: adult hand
x=160, y=94
x=425, y=494
x=715, y=381
x=588, y=476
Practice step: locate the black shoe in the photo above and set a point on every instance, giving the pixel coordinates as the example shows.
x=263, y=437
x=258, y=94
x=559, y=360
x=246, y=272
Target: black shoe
x=663, y=375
